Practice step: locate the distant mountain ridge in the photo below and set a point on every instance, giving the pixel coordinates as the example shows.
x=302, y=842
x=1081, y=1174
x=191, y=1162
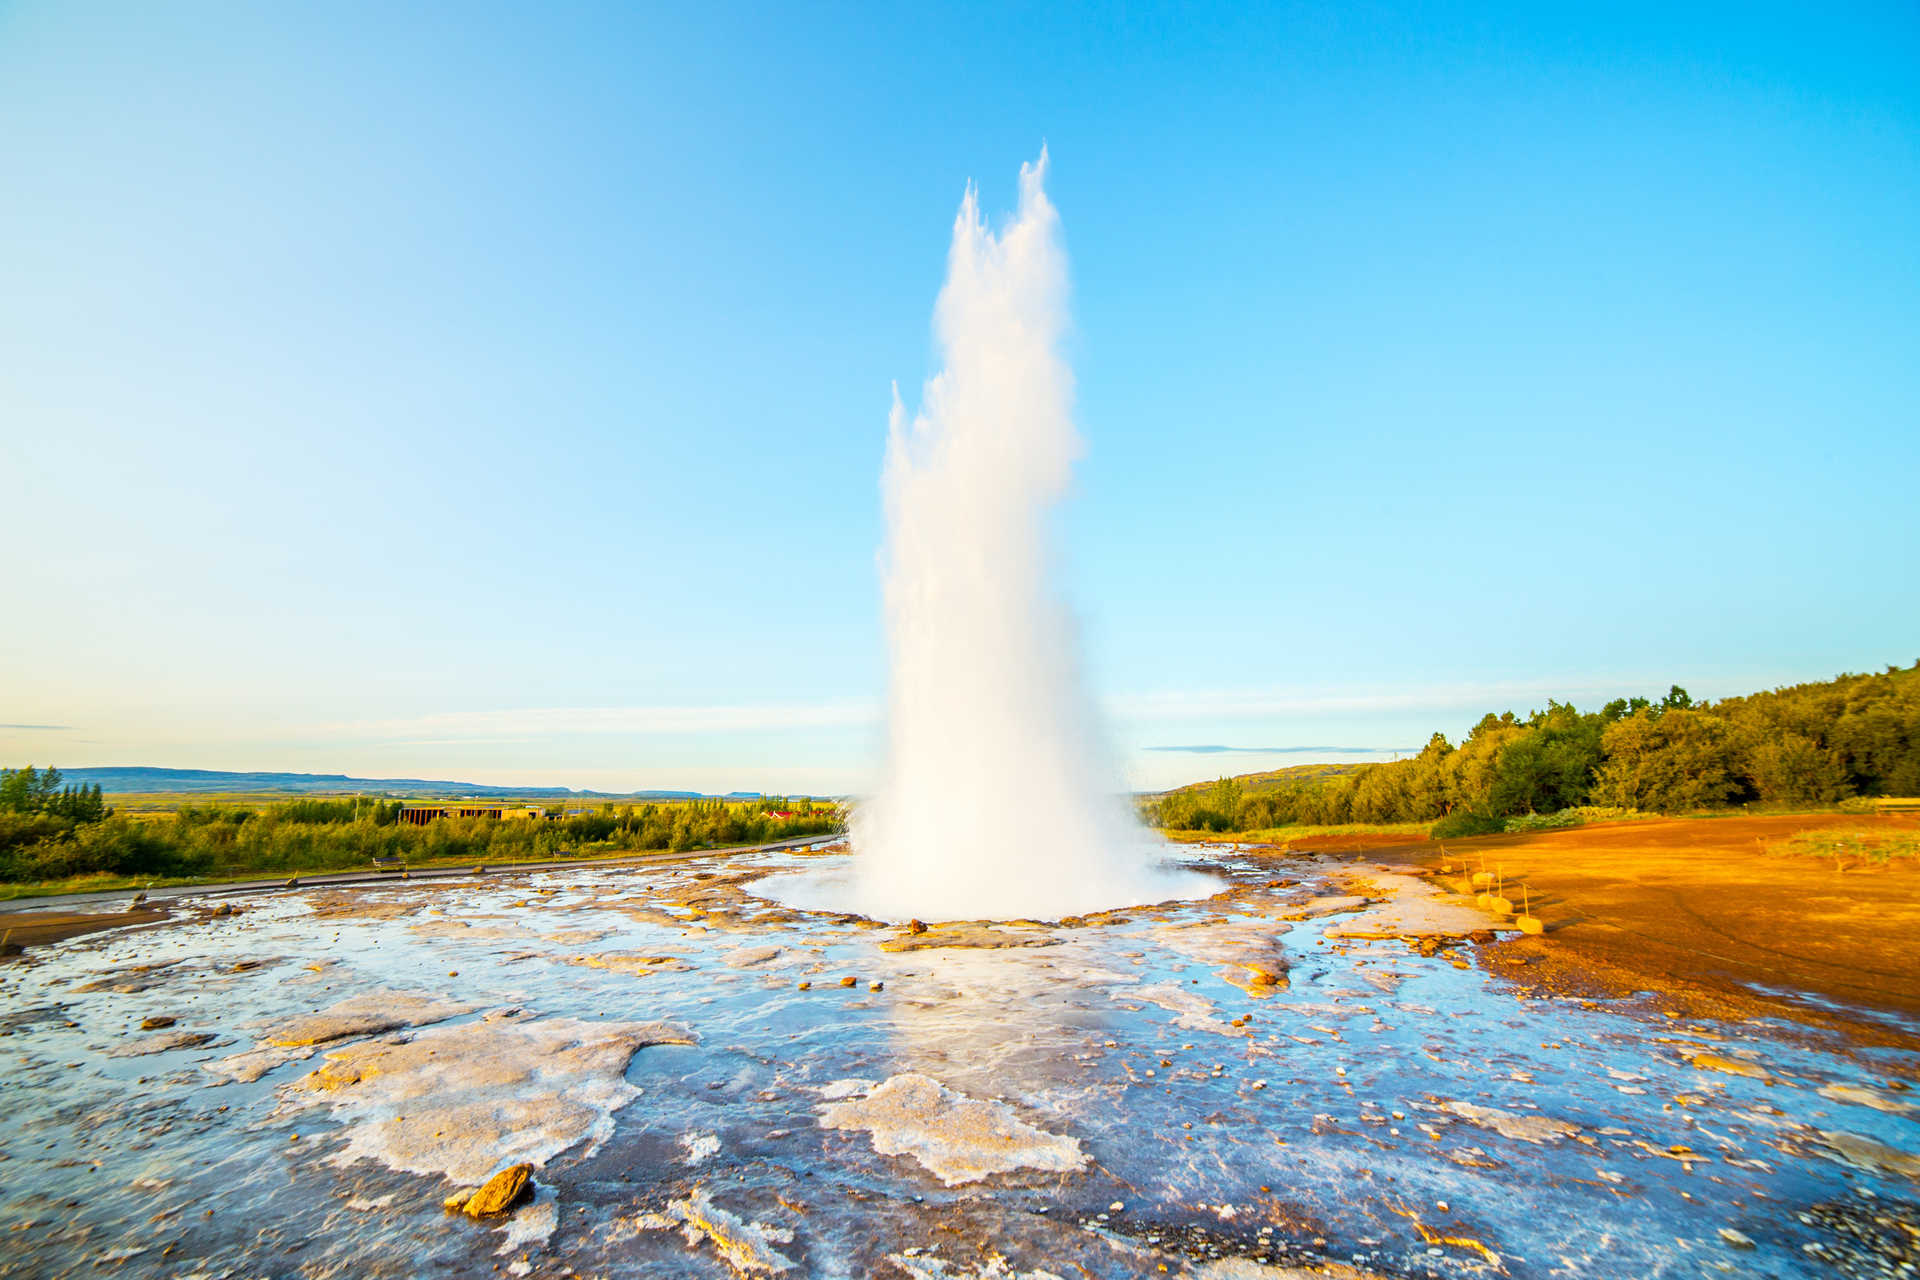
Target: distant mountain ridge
x=136, y=779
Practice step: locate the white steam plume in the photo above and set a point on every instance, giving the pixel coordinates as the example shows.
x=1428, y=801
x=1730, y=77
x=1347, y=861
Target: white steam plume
x=997, y=798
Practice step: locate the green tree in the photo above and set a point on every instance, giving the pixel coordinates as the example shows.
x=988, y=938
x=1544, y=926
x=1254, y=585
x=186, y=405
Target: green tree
x=1677, y=761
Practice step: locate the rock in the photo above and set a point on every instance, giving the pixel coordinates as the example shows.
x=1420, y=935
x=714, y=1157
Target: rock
x=132, y=978
x=956, y=1138
x=223, y=910
x=750, y=957
x=156, y=1022
x=459, y=1101
x=368, y=1013
x=499, y=1193
x=746, y=1246
x=849, y=981
x=1736, y=1239
x=914, y=926
x=805, y=986
x=1874, y=1157
x=1859, y=1095
x=1728, y=1066
x=1195, y=1012
x=966, y=935
x=165, y=1042
x=632, y=963
x=1408, y=906
x=1536, y=1129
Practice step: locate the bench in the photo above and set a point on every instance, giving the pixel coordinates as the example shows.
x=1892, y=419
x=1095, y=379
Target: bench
x=387, y=862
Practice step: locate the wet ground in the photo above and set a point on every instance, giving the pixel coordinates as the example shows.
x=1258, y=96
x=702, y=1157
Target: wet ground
x=710, y=1084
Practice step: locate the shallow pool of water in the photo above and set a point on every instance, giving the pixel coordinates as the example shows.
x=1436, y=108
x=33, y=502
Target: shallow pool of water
x=1212, y=1087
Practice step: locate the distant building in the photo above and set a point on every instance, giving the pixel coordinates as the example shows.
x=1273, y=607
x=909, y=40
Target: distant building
x=420, y=815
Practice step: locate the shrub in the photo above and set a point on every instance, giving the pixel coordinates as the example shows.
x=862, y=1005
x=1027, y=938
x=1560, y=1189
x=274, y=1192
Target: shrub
x=1456, y=826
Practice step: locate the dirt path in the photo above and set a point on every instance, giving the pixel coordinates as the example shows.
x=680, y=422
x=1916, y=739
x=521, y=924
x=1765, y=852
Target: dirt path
x=1698, y=910
x=38, y=928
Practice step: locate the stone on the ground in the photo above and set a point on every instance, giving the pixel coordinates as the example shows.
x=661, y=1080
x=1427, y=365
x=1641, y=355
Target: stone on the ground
x=456, y=1101
x=1874, y=1157
x=1409, y=907
x=164, y=1042
x=366, y=1014
x=746, y=1246
x=635, y=963
x=1860, y=1095
x=1728, y=1066
x=499, y=1193
x=956, y=1138
x=966, y=935
x=1508, y=1124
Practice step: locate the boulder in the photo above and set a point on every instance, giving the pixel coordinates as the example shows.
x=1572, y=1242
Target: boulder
x=499, y=1193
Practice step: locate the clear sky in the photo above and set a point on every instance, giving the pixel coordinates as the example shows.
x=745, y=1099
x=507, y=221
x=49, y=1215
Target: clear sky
x=498, y=392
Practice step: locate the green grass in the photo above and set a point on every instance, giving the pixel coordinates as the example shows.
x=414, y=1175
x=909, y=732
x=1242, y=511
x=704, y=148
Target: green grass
x=107, y=882
x=1284, y=835
x=1271, y=778
x=1855, y=847
x=94, y=882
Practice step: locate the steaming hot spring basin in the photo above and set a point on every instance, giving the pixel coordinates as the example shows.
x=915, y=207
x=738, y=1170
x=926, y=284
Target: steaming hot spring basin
x=834, y=886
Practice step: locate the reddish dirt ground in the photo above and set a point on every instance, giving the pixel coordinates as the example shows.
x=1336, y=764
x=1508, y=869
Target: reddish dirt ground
x=37, y=928
x=1696, y=912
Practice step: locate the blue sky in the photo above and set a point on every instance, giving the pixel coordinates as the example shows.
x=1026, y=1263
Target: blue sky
x=498, y=392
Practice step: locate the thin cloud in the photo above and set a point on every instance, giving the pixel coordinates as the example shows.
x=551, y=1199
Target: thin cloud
x=526, y=723
x=1274, y=700
x=40, y=728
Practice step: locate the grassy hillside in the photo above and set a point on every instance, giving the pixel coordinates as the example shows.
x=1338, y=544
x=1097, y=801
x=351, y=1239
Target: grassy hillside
x=1272, y=778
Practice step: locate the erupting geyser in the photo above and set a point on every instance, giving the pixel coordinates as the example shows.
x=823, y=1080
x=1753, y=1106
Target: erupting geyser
x=997, y=798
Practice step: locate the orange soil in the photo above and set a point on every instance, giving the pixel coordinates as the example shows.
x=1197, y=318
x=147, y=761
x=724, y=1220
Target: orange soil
x=21, y=929
x=1698, y=911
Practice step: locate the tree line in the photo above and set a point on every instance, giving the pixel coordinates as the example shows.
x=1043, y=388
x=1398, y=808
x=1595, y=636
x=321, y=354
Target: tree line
x=1807, y=745
x=44, y=792
x=48, y=843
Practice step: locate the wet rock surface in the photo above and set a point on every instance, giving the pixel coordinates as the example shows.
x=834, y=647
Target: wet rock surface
x=955, y=1138
x=1321, y=1071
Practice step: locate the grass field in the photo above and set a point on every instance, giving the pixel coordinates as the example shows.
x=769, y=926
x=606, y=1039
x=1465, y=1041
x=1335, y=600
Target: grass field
x=101, y=882
x=1404, y=831
x=1849, y=848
